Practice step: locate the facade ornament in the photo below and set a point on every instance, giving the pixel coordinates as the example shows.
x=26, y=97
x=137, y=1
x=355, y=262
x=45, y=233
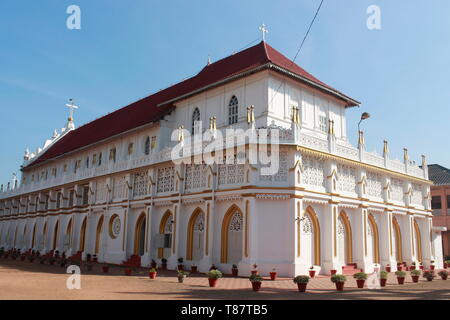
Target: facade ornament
x=361, y=140
x=385, y=149
x=70, y=124
x=180, y=133
x=405, y=155
x=250, y=114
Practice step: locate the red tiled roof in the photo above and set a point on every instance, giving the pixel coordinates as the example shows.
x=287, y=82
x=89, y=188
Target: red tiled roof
x=155, y=106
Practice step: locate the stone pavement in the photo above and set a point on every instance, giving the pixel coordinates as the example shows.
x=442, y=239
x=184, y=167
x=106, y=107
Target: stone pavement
x=25, y=280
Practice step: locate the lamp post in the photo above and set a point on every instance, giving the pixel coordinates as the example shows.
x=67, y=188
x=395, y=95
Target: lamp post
x=364, y=116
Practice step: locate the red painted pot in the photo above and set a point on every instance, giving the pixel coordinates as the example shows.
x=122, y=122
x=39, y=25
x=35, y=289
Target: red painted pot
x=333, y=272
x=444, y=277
x=415, y=279
x=152, y=275
x=400, y=280
x=212, y=283
x=180, y=267
x=128, y=272
x=193, y=269
x=445, y=265
x=383, y=282
x=235, y=272
x=429, y=279
x=312, y=273
x=273, y=276
x=254, y=271
x=388, y=269
x=256, y=286
x=399, y=268
x=360, y=283
x=413, y=268
x=302, y=287
x=340, y=286
x=164, y=266
x=105, y=269
x=421, y=267
x=431, y=267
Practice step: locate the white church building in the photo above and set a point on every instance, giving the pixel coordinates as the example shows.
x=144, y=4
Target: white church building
x=110, y=187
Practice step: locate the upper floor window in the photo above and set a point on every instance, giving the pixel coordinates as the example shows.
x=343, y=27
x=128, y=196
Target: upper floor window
x=85, y=196
x=112, y=155
x=87, y=163
x=77, y=166
x=233, y=110
x=323, y=123
x=94, y=159
x=153, y=143
x=130, y=148
x=100, y=159
x=436, y=202
x=196, y=124
x=147, y=146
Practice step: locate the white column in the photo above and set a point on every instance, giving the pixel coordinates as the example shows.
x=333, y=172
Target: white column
x=329, y=237
x=426, y=240
x=407, y=227
x=386, y=240
x=360, y=234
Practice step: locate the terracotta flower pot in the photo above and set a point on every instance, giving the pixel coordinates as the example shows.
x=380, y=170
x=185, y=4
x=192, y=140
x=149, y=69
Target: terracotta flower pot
x=430, y=279
x=180, y=267
x=415, y=279
x=421, y=267
x=388, y=269
x=312, y=273
x=400, y=280
x=445, y=265
x=164, y=266
x=256, y=286
x=360, y=283
x=212, y=282
x=128, y=272
x=235, y=272
x=383, y=282
x=273, y=276
x=444, y=277
x=254, y=271
x=105, y=269
x=181, y=279
x=432, y=267
x=333, y=272
x=193, y=269
x=152, y=275
x=302, y=287
x=340, y=286
x=413, y=268
x=399, y=268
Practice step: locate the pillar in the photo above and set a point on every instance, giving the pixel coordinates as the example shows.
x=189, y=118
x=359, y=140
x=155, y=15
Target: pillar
x=329, y=237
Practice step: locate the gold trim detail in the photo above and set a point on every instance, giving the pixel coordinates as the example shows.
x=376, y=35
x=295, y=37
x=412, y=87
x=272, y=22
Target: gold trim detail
x=224, y=235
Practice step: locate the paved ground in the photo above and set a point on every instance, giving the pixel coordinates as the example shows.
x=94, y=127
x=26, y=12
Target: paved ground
x=28, y=281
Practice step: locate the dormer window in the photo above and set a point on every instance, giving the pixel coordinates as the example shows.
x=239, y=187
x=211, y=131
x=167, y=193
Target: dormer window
x=196, y=124
x=233, y=110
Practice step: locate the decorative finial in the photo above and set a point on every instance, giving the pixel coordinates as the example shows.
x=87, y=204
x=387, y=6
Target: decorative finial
x=209, y=60
x=72, y=107
x=361, y=140
x=405, y=155
x=180, y=133
x=214, y=123
x=385, y=148
x=424, y=161
x=55, y=134
x=263, y=30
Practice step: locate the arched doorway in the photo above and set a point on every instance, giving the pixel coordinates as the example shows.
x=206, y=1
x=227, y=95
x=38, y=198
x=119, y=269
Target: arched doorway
x=83, y=235
x=68, y=236
x=98, y=235
x=418, y=241
x=55, y=236
x=139, y=235
x=165, y=228
x=232, y=232
x=33, y=237
x=397, y=241
x=344, y=239
x=372, y=241
x=196, y=236
x=44, y=237
x=310, y=241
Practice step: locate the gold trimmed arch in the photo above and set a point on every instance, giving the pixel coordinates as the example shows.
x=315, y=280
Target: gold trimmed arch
x=137, y=232
x=98, y=234
x=348, y=236
x=162, y=226
x=190, y=232
x=224, y=233
x=376, y=254
x=83, y=234
x=315, y=221
x=398, y=238
x=418, y=236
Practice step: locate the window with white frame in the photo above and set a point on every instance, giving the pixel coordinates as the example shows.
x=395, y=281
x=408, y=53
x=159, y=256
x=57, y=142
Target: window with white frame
x=233, y=110
x=196, y=124
x=323, y=123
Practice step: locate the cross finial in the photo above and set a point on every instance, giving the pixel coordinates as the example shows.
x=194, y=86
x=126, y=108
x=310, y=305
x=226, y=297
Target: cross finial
x=263, y=30
x=72, y=107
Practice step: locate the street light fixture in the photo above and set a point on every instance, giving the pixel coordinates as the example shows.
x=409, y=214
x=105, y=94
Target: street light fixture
x=364, y=116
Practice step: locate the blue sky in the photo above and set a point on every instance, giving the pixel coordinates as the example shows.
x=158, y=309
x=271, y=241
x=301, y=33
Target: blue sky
x=129, y=49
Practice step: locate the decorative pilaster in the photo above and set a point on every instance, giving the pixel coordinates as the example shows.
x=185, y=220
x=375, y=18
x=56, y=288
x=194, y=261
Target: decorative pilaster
x=360, y=234
x=329, y=255
x=386, y=240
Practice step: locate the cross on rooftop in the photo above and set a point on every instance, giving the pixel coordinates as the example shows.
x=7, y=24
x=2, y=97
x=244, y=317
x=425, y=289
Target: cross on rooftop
x=263, y=30
x=72, y=107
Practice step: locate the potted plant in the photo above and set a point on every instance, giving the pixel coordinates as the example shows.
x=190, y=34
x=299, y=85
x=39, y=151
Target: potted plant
x=388, y=268
x=256, y=281
x=42, y=260
x=22, y=257
x=339, y=281
x=443, y=274
x=333, y=272
x=154, y=264
x=213, y=277
x=63, y=262
x=273, y=274
x=180, y=263
x=312, y=272
x=164, y=264
x=234, y=270
x=255, y=269
x=432, y=265
x=399, y=267
x=182, y=275
x=302, y=282
x=152, y=273
x=415, y=274
x=105, y=268
x=429, y=275
x=383, y=278
x=193, y=268
x=420, y=266
x=128, y=270
x=400, y=276
x=31, y=259
x=51, y=261
x=413, y=266
x=361, y=278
